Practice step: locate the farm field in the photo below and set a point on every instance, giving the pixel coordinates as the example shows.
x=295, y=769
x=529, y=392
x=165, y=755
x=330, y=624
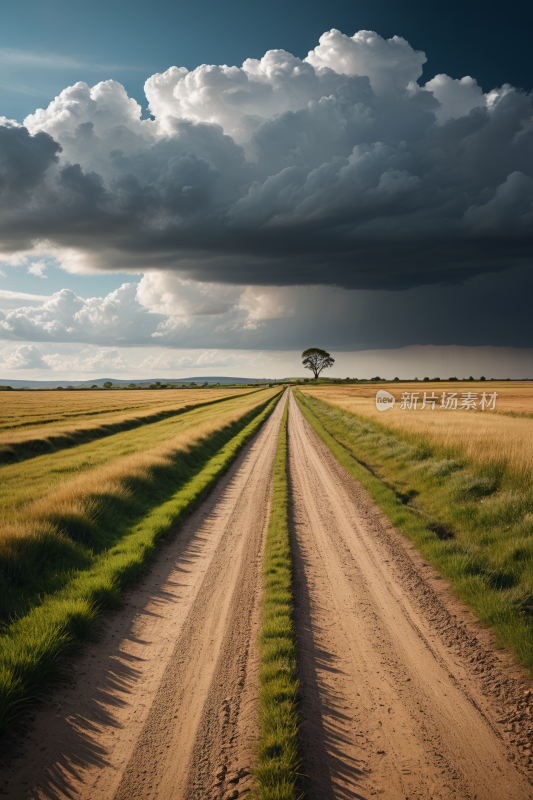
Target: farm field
x=47, y=422
x=505, y=434
x=27, y=482
x=39, y=408
x=188, y=691
x=513, y=396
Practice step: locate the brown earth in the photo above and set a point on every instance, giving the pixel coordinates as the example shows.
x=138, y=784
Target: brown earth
x=403, y=694
x=164, y=704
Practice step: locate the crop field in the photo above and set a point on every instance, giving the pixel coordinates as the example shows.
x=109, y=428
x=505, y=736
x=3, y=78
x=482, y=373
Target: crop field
x=70, y=471
x=43, y=422
x=515, y=397
x=33, y=409
x=65, y=496
x=504, y=435
x=272, y=595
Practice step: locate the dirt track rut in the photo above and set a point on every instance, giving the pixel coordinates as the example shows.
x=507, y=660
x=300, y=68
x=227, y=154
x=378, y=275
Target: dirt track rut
x=164, y=705
x=388, y=710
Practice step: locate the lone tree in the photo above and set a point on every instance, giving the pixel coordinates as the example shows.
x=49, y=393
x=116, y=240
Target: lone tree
x=316, y=360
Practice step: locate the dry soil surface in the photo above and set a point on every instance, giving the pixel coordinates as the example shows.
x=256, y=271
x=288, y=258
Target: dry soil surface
x=164, y=705
x=402, y=694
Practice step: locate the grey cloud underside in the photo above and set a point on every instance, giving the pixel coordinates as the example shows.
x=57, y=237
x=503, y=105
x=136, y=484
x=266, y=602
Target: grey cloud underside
x=364, y=186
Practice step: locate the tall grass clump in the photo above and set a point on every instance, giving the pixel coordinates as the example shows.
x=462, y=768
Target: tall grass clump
x=472, y=520
x=279, y=761
x=64, y=613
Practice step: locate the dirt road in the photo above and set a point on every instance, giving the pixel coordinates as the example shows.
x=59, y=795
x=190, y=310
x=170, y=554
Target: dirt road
x=389, y=707
x=164, y=704
x=403, y=695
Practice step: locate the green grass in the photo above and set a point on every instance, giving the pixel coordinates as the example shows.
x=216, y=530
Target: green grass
x=279, y=761
x=43, y=443
x=473, y=522
x=30, y=647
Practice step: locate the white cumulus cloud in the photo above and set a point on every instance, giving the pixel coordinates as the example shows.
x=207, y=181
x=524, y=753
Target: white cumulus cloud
x=390, y=64
x=37, y=268
x=102, y=361
x=457, y=98
x=64, y=316
x=161, y=306
x=24, y=357
x=168, y=294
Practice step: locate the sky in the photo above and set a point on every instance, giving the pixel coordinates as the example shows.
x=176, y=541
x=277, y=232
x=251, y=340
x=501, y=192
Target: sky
x=196, y=187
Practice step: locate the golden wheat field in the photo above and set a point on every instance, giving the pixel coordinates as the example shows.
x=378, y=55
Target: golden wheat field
x=24, y=483
x=29, y=410
x=479, y=435
x=55, y=486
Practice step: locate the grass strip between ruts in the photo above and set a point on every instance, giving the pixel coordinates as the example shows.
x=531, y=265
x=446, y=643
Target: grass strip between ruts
x=278, y=747
x=469, y=581
x=30, y=649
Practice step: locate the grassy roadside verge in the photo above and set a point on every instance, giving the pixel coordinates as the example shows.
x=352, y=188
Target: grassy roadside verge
x=469, y=522
x=32, y=445
x=279, y=762
x=30, y=648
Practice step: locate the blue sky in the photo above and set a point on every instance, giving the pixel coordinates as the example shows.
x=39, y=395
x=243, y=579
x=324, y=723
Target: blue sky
x=447, y=244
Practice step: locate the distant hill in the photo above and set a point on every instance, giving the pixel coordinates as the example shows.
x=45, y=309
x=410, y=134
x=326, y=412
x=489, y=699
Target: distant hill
x=16, y=384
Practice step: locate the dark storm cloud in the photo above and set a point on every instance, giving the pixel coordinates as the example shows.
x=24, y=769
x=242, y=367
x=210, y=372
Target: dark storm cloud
x=339, y=169
x=24, y=160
